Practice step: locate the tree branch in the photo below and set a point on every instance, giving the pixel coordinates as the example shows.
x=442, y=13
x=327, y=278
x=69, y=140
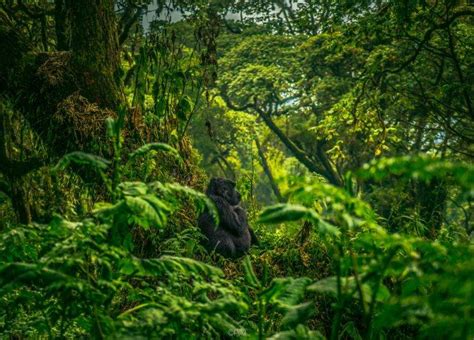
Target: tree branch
x=429, y=33
x=127, y=23
x=299, y=154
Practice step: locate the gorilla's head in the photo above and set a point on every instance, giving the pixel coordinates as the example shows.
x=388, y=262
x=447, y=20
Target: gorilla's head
x=224, y=188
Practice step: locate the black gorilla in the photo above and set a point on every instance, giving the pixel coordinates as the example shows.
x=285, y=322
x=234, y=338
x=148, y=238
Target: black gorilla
x=233, y=237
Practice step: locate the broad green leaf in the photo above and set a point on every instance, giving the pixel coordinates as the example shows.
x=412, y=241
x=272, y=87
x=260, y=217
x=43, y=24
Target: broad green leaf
x=133, y=188
x=283, y=213
x=298, y=314
x=143, y=213
x=285, y=291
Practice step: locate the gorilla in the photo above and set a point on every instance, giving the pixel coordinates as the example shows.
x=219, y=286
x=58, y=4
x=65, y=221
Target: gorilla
x=232, y=237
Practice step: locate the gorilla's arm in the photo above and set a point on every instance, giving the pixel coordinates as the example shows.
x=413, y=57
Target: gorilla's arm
x=231, y=218
x=241, y=215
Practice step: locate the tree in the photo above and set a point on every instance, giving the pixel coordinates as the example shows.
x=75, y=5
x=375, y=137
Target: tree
x=65, y=96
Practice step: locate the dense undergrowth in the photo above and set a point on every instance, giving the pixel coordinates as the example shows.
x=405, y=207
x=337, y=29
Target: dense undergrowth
x=338, y=274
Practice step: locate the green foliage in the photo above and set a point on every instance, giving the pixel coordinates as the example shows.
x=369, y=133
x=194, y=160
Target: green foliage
x=285, y=97
x=79, y=283
x=392, y=279
x=282, y=296
x=145, y=149
x=145, y=206
x=286, y=213
x=83, y=159
x=349, y=286
x=422, y=168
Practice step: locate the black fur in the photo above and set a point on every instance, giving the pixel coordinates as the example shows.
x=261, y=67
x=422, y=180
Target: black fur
x=233, y=237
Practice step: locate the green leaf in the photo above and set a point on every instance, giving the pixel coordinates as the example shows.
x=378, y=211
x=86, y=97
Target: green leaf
x=298, y=314
x=83, y=159
x=250, y=276
x=145, y=149
x=143, y=213
x=301, y=332
x=111, y=127
x=188, y=266
x=327, y=285
x=285, y=292
x=106, y=209
x=129, y=266
x=283, y=213
x=291, y=212
x=133, y=188
x=323, y=226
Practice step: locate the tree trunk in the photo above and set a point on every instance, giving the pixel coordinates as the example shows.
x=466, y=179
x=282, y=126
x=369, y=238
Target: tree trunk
x=66, y=96
x=62, y=25
x=268, y=172
x=95, y=49
x=20, y=200
x=326, y=171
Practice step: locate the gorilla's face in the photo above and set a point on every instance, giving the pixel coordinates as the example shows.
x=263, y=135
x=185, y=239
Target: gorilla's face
x=224, y=188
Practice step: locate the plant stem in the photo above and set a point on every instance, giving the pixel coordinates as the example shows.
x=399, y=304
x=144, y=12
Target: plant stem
x=340, y=299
